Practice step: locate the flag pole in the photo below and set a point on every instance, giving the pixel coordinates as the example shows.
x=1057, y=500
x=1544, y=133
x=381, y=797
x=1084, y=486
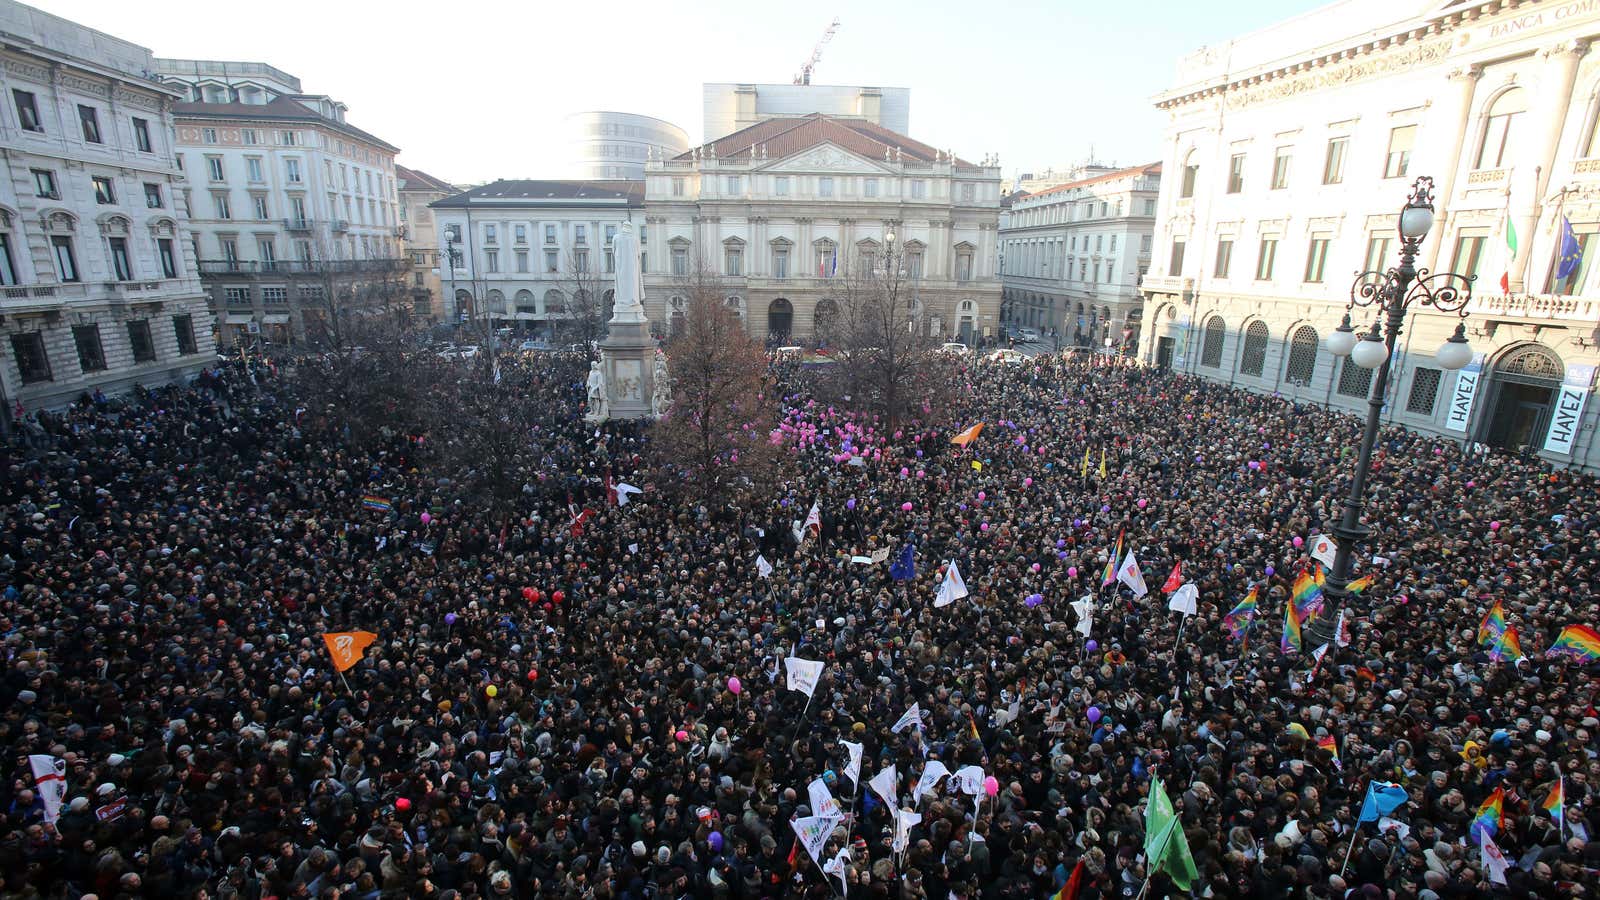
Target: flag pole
x=347, y=685
x=1184, y=620
x=1354, y=834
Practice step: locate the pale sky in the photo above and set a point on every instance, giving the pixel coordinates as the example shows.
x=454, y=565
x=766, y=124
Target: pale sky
x=473, y=90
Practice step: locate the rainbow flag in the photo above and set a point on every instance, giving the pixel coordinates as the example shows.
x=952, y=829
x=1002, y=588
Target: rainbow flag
x=1487, y=821
x=1578, y=641
x=1308, y=595
x=1507, y=646
x=1244, y=615
x=373, y=501
x=1328, y=743
x=1361, y=584
x=1110, y=574
x=1556, y=803
x=1494, y=622
x=972, y=728
x=1291, y=629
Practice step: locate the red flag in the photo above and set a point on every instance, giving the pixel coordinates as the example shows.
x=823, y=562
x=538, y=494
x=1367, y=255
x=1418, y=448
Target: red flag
x=578, y=520
x=611, y=491
x=1069, y=891
x=1175, y=580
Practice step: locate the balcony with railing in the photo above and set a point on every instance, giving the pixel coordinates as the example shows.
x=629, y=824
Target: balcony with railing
x=299, y=224
x=340, y=226
x=1537, y=308
x=252, y=267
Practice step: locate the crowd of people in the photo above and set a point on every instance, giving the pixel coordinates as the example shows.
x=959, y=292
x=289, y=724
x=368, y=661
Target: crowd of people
x=596, y=704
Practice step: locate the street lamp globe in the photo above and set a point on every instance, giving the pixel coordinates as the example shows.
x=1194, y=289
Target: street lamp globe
x=1343, y=339
x=1369, y=352
x=1415, y=220
x=1456, y=352
x=889, y=237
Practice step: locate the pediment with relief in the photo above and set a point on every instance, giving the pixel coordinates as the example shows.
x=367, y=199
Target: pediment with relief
x=826, y=157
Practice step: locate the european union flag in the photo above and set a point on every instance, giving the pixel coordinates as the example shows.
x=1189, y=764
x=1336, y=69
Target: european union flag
x=905, y=568
x=1571, y=251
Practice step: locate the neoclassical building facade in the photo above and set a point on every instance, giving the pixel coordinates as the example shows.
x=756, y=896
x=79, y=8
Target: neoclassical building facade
x=1071, y=255
x=780, y=209
x=1289, y=153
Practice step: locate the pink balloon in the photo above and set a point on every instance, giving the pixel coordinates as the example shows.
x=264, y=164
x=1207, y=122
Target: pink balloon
x=1299, y=541
x=984, y=526
x=426, y=518
x=991, y=786
x=921, y=474
x=1036, y=567
x=734, y=685
x=1072, y=571
x=1143, y=503
x=982, y=495
x=1494, y=526
x=906, y=506
x=682, y=736
x=1027, y=482
x=904, y=471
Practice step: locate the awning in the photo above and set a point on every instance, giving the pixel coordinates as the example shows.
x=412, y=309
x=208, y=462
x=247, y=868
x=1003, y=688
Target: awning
x=239, y=318
x=275, y=320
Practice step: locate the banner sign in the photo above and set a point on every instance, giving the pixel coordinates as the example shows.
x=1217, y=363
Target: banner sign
x=1566, y=414
x=1462, y=395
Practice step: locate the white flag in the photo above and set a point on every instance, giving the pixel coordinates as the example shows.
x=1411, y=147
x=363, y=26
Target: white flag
x=1130, y=575
x=49, y=783
x=1340, y=635
x=880, y=555
x=803, y=674
x=836, y=865
x=904, y=821
x=1085, y=610
x=1493, y=860
x=861, y=560
x=813, y=832
x=969, y=780
x=1323, y=549
x=928, y=782
x=822, y=802
x=623, y=489
x=1185, y=600
x=886, y=784
x=913, y=716
x=853, y=767
x=763, y=568
x=952, y=588
x=814, y=520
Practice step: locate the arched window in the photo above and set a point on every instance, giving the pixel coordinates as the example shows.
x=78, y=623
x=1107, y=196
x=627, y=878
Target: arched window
x=1302, y=363
x=1354, y=381
x=1191, y=173
x=736, y=304
x=825, y=319
x=1500, y=127
x=496, y=302
x=555, y=303
x=1211, y=347
x=1253, y=355
x=780, y=318
x=1531, y=361
x=524, y=302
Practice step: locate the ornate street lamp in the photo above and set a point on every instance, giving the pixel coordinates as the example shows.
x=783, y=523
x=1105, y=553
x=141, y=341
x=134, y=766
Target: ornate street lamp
x=1390, y=294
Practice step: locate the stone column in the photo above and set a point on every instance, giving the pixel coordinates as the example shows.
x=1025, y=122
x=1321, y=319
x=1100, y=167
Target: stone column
x=1456, y=113
x=1561, y=62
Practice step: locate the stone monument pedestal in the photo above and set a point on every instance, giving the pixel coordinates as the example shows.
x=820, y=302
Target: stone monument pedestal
x=628, y=354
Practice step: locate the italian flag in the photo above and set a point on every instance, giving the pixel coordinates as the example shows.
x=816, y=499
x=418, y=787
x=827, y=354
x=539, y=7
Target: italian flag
x=1511, y=255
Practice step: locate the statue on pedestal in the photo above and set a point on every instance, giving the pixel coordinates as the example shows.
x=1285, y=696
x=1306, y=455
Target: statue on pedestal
x=599, y=406
x=661, y=396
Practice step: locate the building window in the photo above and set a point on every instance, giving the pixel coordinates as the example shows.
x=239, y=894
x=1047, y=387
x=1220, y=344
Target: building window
x=302, y=251
x=8, y=266
x=1354, y=381
x=1424, y=391
x=89, y=118
x=520, y=232
x=1378, y=252
x=288, y=138
x=275, y=296
x=1145, y=241
x=1401, y=140
x=549, y=234
x=1224, y=258
x=610, y=261
x=208, y=135
x=183, y=330
x=103, y=192
x=1175, y=264
x=964, y=266
x=825, y=186
x=236, y=296
x=152, y=196
x=66, y=260
x=1333, y=163
x=214, y=167
x=1211, y=347
x=1316, y=259
x=44, y=184
x=914, y=264
x=259, y=202
x=491, y=260
x=780, y=185
x=250, y=136
x=733, y=184
x=580, y=260
x=144, y=349
x=1469, y=255
x=491, y=235
x=580, y=234
x=733, y=260
x=141, y=135
x=1576, y=272
x=1494, y=150
x=169, y=261
x=1280, y=167
x=1149, y=207
x=27, y=110
x=1236, y=173
x=291, y=170
x=522, y=261
x=919, y=189
x=969, y=193
x=120, y=266
x=230, y=249
x=1253, y=355
x=680, y=261
x=220, y=202
x=91, y=356
x=267, y=252
x=869, y=187
x=253, y=170
x=33, y=364
x=677, y=187
x=1191, y=173
x=1266, y=258
x=1302, y=356
x=780, y=262
x=611, y=235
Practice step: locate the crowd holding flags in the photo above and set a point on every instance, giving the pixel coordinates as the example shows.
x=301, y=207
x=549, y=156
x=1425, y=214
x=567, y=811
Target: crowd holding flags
x=1241, y=617
x=1556, y=802
x=1109, y=577
x=1578, y=641
x=953, y=588
x=1490, y=814
x=1494, y=622
x=346, y=648
x=965, y=438
x=1166, y=848
x=1507, y=648
x=1291, y=628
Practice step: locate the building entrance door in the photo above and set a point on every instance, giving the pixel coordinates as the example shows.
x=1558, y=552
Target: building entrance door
x=1164, y=349
x=1521, y=414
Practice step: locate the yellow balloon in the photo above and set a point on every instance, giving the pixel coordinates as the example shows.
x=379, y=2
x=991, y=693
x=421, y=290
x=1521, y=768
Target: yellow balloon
x=491, y=690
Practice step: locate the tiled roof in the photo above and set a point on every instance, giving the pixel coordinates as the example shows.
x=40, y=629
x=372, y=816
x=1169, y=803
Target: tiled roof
x=531, y=192
x=278, y=109
x=418, y=180
x=777, y=138
x=1149, y=169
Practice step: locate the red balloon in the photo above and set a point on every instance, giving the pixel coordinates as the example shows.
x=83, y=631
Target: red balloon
x=402, y=804
x=558, y=596
x=533, y=674
x=547, y=606
x=528, y=593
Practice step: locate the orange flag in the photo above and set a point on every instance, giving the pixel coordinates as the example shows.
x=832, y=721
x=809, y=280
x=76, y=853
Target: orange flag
x=968, y=436
x=347, y=647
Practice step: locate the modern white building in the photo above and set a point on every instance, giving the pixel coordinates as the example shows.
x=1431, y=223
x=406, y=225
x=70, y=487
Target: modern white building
x=1072, y=256
x=97, y=286
x=295, y=210
x=780, y=209
x=524, y=254
x=734, y=107
x=1289, y=152
x=610, y=146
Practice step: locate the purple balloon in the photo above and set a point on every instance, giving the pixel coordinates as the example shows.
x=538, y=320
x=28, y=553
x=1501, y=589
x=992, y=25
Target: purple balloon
x=715, y=840
x=1094, y=714
x=850, y=504
x=1034, y=600
x=1105, y=509
x=449, y=618
x=1092, y=646
x=1271, y=571
x=1077, y=523
x=1060, y=542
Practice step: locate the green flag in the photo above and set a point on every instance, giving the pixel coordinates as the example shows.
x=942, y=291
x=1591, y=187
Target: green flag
x=1165, y=847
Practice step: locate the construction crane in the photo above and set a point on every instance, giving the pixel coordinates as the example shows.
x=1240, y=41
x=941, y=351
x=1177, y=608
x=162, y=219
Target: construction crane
x=816, y=54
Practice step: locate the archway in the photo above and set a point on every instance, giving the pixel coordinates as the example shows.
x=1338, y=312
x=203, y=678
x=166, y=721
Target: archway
x=825, y=320
x=1522, y=387
x=967, y=322
x=780, y=318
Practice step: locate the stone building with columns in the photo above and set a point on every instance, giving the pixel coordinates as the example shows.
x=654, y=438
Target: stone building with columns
x=780, y=208
x=1288, y=154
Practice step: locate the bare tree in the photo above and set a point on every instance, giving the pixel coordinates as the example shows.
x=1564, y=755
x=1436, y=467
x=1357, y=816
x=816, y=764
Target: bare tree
x=586, y=285
x=345, y=290
x=886, y=361
x=715, y=437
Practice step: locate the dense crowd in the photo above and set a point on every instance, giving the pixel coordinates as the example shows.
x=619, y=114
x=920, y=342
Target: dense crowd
x=547, y=710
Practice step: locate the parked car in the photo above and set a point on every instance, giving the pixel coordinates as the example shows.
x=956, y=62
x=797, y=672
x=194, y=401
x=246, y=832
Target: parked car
x=1010, y=357
x=955, y=347
x=1030, y=335
x=446, y=351
x=535, y=345
x=468, y=352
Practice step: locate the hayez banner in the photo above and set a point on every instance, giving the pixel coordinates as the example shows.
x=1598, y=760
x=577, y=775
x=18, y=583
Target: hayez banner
x=1566, y=414
x=1462, y=395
